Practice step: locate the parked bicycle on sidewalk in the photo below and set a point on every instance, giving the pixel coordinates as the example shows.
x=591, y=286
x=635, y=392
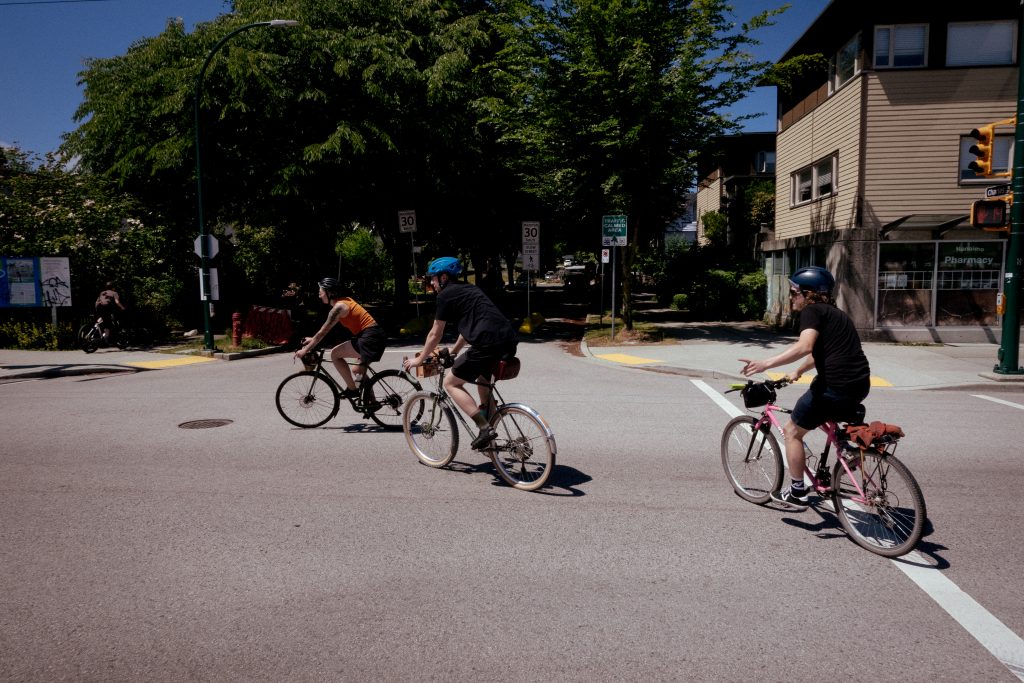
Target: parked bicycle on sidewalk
x=523, y=447
x=312, y=397
x=874, y=495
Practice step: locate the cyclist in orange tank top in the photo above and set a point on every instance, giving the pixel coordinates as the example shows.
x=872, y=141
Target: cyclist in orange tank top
x=368, y=339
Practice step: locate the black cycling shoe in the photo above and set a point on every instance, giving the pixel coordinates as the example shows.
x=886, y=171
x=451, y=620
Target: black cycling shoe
x=484, y=438
x=789, y=499
x=350, y=393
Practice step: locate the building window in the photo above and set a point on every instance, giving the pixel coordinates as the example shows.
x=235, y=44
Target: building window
x=921, y=284
x=765, y=162
x=978, y=43
x=1001, y=156
x=815, y=181
x=901, y=46
x=844, y=65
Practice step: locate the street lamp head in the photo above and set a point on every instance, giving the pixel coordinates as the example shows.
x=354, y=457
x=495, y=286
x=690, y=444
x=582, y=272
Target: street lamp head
x=283, y=22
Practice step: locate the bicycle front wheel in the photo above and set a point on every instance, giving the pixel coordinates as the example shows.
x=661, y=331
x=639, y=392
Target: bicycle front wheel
x=88, y=338
x=752, y=459
x=524, y=449
x=307, y=399
x=385, y=395
x=430, y=429
x=880, y=506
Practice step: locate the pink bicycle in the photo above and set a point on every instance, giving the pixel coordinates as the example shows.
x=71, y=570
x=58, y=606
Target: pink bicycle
x=875, y=497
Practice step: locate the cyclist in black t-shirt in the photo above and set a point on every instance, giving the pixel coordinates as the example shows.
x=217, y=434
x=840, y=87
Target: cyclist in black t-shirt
x=832, y=347
x=481, y=325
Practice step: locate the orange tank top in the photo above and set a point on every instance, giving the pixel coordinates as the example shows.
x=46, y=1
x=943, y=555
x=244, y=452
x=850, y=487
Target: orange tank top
x=357, y=319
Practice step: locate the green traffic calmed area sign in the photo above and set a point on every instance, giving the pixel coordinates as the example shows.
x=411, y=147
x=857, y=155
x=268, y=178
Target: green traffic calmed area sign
x=613, y=231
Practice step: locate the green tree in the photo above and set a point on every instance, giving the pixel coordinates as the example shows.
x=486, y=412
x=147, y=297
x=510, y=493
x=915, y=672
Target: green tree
x=610, y=100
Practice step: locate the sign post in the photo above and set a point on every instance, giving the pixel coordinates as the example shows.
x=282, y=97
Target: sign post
x=407, y=223
x=531, y=255
x=613, y=234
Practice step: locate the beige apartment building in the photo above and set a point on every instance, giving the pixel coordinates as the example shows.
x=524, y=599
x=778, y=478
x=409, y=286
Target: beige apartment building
x=871, y=165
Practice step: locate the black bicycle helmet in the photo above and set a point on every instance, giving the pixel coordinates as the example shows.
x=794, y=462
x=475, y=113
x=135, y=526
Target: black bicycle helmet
x=329, y=285
x=813, y=279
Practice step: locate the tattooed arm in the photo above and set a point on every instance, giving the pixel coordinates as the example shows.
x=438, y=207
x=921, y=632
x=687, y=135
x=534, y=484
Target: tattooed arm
x=337, y=312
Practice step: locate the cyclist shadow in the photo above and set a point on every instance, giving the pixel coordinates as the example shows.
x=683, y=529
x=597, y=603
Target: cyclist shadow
x=829, y=527
x=563, y=482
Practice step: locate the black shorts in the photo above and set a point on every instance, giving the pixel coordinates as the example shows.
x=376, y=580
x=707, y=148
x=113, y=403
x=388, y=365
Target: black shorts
x=477, y=361
x=825, y=403
x=370, y=344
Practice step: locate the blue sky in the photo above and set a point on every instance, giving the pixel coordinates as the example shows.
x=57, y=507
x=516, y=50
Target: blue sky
x=43, y=43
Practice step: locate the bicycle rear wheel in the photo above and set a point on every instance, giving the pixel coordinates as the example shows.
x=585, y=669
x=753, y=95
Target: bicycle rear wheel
x=430, y=429
x=524, y=449
x=307, y=399
x=385, y=395
x=752, y=459
x=888, y=519
x=88, y=338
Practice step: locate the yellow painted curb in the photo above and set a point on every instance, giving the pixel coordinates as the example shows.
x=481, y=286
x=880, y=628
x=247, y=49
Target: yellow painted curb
x=169, y=363
x=624, y=358
x=806, y=379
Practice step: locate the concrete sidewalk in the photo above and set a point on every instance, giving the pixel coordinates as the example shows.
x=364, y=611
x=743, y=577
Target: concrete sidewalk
x=714, y=350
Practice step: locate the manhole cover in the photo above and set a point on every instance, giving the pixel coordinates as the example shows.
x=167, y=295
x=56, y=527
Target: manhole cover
x=204, y=424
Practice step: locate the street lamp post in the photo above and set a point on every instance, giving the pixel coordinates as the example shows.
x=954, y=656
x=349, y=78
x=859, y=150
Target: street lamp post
x=204, y=247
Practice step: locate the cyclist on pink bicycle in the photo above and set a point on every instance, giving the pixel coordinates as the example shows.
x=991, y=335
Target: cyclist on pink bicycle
x=831, y=345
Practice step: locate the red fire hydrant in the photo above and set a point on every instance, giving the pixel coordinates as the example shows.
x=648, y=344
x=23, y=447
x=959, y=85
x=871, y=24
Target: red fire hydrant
x=236, y=329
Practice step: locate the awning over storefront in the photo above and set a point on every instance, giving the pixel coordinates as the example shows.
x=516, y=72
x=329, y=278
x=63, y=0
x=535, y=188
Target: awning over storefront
x=935, y=227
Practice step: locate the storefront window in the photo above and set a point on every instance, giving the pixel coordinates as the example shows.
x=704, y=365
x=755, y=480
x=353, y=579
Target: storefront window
x=905, y=275
x=968, y=279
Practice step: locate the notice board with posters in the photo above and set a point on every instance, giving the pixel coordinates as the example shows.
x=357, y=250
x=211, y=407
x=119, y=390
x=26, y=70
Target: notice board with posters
x=27, y=281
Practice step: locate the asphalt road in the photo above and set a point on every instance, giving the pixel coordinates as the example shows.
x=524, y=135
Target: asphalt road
x=133, y=549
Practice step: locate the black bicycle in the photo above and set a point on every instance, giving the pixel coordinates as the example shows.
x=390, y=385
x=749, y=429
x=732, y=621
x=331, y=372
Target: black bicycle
x=90, y=336
x=312, y=397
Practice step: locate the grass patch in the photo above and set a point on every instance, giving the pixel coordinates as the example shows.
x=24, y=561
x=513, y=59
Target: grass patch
x=598, y=334
x=195, y=345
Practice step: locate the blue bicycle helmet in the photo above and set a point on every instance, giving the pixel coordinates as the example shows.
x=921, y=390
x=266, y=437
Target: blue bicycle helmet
x=814, y=279
x=448, y=265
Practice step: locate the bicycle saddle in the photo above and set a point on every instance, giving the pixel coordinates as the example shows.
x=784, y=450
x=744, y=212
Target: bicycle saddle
x=853, y=417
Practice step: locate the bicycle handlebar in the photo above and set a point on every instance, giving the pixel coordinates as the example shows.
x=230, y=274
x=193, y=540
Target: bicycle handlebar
x=770, y=383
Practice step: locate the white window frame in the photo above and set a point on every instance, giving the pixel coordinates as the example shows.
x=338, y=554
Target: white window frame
x=807, y=180
x=834, y=76
x=894, y=39
x=983, y=48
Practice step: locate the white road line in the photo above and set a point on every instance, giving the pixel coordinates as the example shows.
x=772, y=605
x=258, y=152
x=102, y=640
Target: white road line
x=722, y=402
x=999, y=400
x=1003, y=643
x=992, y=634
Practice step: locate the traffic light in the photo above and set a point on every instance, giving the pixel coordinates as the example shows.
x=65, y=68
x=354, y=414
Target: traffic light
x=990, y=214
x=985, y=147
x=982, y=149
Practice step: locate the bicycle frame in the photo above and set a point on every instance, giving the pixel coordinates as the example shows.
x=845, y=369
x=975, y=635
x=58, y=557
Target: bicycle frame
x=445, y=400
x=830, y=427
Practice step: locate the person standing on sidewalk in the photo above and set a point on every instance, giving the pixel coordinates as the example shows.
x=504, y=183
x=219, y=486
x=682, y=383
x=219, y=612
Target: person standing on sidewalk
x=368, y=339
x=831, y=345
x=482, y=325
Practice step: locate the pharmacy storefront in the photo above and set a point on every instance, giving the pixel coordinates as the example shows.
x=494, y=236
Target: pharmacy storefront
x=939, y=283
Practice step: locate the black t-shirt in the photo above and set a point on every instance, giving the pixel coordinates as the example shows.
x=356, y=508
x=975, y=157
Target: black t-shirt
x=475, y=316
x=838, y=357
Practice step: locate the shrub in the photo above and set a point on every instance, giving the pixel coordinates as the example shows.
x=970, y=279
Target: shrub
x=35, y=336
x=679, y=302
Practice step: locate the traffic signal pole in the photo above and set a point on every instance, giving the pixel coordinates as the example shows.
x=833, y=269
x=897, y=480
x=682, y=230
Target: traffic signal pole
x=1010, y=341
